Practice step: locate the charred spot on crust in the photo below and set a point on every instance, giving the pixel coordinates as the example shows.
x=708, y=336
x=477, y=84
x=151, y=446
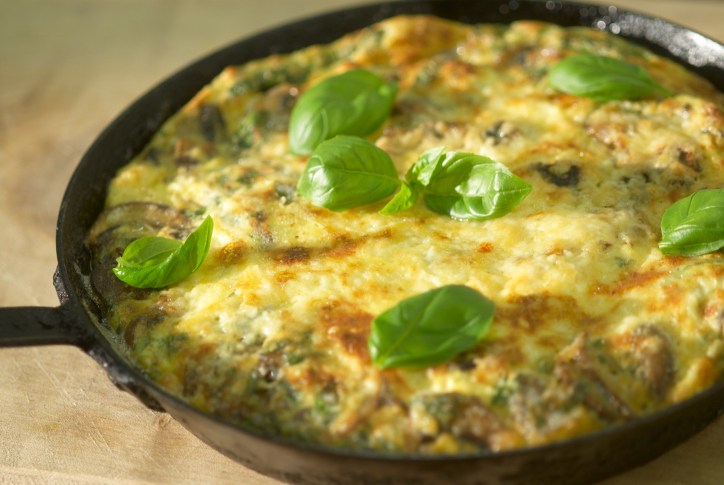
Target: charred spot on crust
x=485, y=247
x=295, y=254
x=342, y=245
x=348, y=325
x=528, y=312
x=559, y=174
x=632, y=280
x=234, y=252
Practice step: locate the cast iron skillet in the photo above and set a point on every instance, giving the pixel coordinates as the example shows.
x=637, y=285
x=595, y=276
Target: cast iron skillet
x=78, y=320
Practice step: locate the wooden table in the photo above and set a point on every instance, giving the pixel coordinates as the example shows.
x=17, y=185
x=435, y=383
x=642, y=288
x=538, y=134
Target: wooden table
x=67, y=67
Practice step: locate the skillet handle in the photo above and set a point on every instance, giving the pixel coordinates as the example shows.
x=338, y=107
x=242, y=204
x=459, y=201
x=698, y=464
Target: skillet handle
x=23, y=326
x=26, y=326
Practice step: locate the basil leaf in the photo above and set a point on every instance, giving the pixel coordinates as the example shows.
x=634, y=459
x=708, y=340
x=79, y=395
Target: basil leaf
x=425, y=167
x=467, y=186
x=156, y=262
x=416, y=178
x=347, y=172
x=430, y=328
x=603, y=78
x=694, y=225
x=403, y=200
x=150, y=250
x=356, y=102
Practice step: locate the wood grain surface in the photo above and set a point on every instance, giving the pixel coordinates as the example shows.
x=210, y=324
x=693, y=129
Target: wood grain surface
x=67, y=67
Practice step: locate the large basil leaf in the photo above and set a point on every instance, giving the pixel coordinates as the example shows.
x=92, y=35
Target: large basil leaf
x=156, y=262
x=603, y=78
x=694, y=225
x=347, y=172
x=430, y=328
x=469, y=187
x=356, y=102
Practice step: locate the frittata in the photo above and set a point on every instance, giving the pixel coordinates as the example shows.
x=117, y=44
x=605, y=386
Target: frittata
x=593, y=325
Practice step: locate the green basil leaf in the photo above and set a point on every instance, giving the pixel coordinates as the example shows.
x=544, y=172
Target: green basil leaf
x=425, y=167
x=403, y=200
x=356, y=102
x=467, y=186
x=603, y=78
x=347, y=172
x=148, y=251
x=430, y=328
x=694, y=225
x=156, y=262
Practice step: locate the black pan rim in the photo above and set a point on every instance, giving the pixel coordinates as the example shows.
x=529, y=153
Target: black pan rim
x=126, y=374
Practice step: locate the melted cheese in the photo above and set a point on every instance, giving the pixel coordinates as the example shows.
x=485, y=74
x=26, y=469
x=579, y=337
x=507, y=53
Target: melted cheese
x=593, y=325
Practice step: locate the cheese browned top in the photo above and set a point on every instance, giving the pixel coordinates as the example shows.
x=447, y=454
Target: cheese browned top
x=593, y=325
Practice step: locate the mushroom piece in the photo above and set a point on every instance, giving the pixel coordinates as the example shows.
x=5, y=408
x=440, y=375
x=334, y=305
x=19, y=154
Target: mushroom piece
x=463, y=416
x=652, y=352
x=562, y=174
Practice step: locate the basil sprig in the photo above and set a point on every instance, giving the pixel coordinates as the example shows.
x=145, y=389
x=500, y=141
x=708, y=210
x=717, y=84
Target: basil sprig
x=694, y=225
x=603, y=78
x=462, y=185
x=156, y=262
x=430, y=328
x=347, y=172
x=356, y=102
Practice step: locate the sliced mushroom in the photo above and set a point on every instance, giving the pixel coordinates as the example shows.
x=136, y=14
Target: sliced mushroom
x=211, y=122
x=652, y=352
x=463, y=416
x=579, y=376
x=562, y=174
x=143, y=217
